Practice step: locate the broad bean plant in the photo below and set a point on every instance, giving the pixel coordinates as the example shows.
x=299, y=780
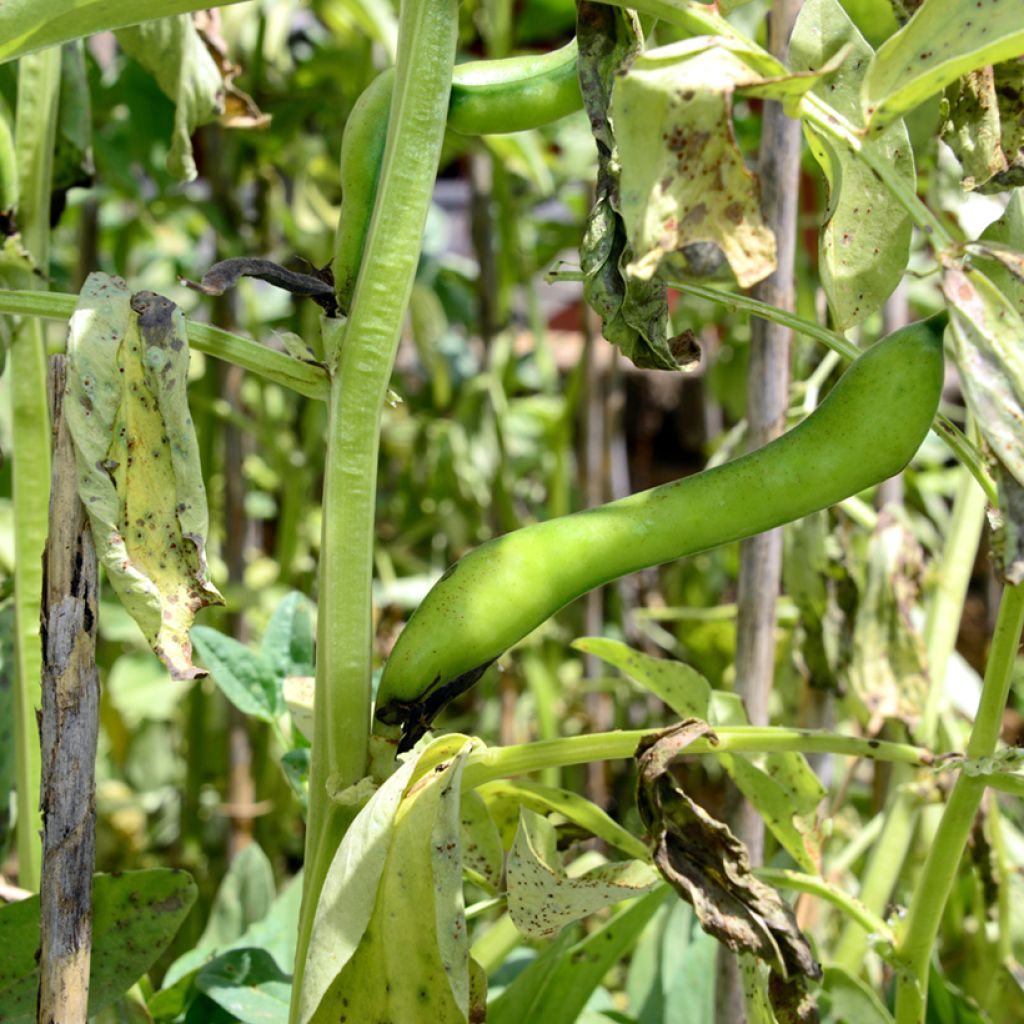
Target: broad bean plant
x=404, y=819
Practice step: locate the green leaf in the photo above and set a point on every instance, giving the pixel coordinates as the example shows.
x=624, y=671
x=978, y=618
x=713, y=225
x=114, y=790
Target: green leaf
x=244, y=897
x=246, y=678
x=137, y=457
x=27, y=25
x=288, y=641
x=172, y=51
x=851, y=1000
x=864, y=242
x=1007, y=231
x=504, y=793
x=411, y=961
x=942, y=41
x=249, y=985
x=483, y=856
x=72, y=155
x=542, y=897
x=135, y=916
x=558, y=988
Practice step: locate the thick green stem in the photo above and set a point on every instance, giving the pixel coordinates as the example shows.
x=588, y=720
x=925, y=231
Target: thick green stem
x=366, y=354
x=495, y=763
x=921, y=926
x=35, y=129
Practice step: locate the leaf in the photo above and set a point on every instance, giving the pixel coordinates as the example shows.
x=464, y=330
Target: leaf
x=137, y=458
x=543, y=898
x=411, y=960
x=245, y=896
x=887, y=674
x=172, y=51
x=942, y=41
x=246, y=678
x=864, y=242
x=546, y=799
x=683, y=178
x=72, y=155
x=1007, y=231
x=28, y=25
x=135, y=916
x=986, y=329
x=249, y=985
x=483, y=856
x=299, y=693
x=851, y=1000
x=786, y=795
x=288, y=641
x=984, y=126
x=634, y=313
x=709, y=867
x=564, y=981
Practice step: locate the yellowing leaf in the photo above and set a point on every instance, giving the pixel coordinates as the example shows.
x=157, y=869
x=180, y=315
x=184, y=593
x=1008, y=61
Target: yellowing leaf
x=683, y=179
x=139, y=475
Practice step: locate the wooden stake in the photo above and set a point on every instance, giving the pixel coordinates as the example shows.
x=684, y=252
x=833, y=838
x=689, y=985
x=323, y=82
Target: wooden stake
x=68, y=727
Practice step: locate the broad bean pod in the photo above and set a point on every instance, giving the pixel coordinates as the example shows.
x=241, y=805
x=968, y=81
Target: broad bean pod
x=866, y=430
x=489, y=97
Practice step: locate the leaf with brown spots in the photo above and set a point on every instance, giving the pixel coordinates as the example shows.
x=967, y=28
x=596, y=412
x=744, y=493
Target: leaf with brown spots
x=543, y=897
x=709, y=867
x=139, y=475
x=864, y=243
x=683, y=179
x=986, y=328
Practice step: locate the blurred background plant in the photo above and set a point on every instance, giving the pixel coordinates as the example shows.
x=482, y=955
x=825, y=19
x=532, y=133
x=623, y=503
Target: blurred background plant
x=508, y=407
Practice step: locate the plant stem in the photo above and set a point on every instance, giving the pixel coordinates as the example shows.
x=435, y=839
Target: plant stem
x=914, y=951
x=426, y=54
x=305, y=378
x=947, y=604
x=487, y=764
x=35, y=131
x=851, y=907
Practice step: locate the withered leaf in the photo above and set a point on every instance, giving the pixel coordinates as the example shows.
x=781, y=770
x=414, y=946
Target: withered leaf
x=139, y=475
x=708, y=866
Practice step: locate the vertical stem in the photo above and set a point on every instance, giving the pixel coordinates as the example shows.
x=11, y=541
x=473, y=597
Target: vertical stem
x=767, y=400
x=426, y=54
x=947, y=605
x=69, y=726
x=35, y=128
x=914, y=950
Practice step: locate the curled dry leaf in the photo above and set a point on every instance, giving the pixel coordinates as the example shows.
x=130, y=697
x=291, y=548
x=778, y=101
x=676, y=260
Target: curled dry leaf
x=709, y=867
x=139, y=475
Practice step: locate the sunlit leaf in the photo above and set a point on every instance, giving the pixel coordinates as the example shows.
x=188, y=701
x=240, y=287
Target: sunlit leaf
x=942, y=41
x=172, y=51
x=864, y=243
x=543, y=898
x=139, y=475
x=246, y=678
x=483, y=855
x=27, y=25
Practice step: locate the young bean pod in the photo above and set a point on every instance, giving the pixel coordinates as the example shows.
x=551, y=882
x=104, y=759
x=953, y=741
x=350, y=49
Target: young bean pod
x=866, y=430
x=489, y=97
